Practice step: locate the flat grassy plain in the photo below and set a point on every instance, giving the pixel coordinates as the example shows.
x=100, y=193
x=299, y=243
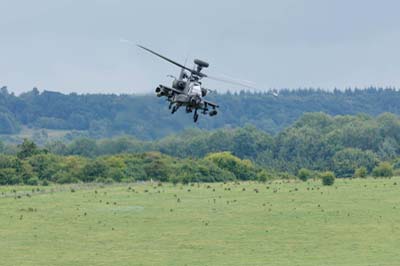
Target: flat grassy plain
x=354, y=222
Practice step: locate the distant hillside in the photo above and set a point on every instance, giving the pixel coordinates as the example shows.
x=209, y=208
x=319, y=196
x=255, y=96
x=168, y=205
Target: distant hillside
x=148, y=117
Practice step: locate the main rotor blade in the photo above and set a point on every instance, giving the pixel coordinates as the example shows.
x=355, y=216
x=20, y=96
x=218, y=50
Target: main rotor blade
x=243, y=83
x=165, y=58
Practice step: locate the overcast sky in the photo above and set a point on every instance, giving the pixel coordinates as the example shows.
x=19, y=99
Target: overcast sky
x=73, y=46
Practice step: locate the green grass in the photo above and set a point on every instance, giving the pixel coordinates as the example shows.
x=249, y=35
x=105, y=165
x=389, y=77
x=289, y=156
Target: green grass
x=354, y=222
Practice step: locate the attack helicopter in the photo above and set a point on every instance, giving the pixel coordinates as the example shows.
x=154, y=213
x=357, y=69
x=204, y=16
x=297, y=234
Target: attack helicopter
x=187, y=90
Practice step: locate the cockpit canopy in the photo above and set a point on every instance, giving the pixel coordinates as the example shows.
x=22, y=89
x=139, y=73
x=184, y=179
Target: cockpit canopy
x=195, y=89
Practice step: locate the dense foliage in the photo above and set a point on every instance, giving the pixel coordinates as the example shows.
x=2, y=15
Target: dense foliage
x=348, y=146
x=147, y=117
x=33, y=166
x=316, y=141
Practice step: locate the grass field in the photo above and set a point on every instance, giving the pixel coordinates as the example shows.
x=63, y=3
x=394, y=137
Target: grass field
x=354, y=222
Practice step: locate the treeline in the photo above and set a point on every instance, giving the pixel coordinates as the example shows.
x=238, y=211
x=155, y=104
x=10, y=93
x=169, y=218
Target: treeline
x=33, y=166
x=316, y=142
x=147, y=117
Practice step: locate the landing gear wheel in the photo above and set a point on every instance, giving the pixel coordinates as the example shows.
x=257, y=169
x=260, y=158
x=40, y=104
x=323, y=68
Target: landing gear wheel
x=174, y=109
x=195, y=117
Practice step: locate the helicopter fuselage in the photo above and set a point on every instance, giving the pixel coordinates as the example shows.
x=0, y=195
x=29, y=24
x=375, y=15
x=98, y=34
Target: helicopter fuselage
x=187, y=92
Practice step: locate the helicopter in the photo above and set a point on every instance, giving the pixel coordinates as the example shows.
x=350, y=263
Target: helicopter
x=187, y=90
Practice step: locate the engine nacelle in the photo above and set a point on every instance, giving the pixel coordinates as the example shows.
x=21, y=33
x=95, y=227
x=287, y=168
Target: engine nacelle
x=179, y=84
x=203, y=92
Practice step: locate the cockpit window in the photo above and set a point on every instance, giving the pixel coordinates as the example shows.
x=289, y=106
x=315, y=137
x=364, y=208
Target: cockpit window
x=196, y=89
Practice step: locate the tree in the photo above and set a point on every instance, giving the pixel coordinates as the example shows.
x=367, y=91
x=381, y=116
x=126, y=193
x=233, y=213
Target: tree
x=27, y=149
x=84, y=147
x=8, y=124
x=45, y=165
x=93, y=170
x=346, y=161
x=8, y=176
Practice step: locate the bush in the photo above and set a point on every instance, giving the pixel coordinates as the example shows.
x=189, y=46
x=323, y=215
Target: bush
x=384, y=169
x=242, y=169
x=361, y=172
x=264, y=176
x=304, y=174
x=34, y=181
x=328, y=178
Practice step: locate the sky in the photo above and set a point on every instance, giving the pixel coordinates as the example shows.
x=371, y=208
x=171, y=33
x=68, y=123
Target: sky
x=74, y=46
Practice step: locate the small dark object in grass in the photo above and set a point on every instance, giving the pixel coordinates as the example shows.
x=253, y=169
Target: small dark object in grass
x=72, y=190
